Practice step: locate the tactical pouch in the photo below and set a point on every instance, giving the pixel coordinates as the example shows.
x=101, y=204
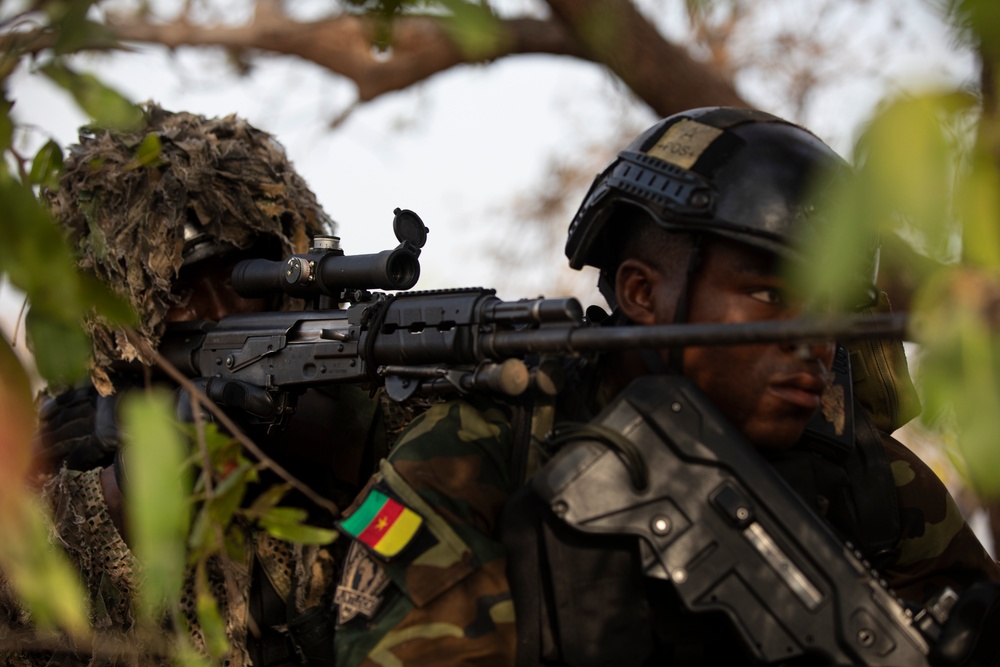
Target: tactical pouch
x=882, y=381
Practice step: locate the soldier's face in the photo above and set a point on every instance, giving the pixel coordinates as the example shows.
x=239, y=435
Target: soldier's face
x=207, y=292
x=769, y=391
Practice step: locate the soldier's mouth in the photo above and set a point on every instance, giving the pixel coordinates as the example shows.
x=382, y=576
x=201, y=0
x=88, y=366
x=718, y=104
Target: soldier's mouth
x=801, y=390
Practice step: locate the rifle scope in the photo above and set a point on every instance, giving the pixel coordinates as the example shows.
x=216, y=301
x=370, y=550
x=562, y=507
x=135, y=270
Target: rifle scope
x=326, y=270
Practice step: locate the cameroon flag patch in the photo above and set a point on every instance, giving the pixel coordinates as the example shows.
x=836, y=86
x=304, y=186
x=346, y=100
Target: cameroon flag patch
x=383, y=524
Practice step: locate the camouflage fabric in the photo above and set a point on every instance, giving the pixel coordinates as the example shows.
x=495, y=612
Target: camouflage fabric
x=445, y=599
x=83, y=527
x=125, y=211
x=937, y=546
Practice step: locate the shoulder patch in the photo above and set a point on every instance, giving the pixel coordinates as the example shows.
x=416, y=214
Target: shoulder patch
x=361, y=587
x=382, y=523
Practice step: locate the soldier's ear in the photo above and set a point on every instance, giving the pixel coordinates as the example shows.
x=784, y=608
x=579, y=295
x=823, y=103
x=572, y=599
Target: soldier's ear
x=636, y=289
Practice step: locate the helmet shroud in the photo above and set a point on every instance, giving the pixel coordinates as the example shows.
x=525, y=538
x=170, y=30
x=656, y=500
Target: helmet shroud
x=217, y=184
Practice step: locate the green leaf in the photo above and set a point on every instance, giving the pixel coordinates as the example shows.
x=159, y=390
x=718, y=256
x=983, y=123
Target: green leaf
x=300, y=533
x=46, y=166
x=908, y=157
x=474, y=28
x=978, y=207
x=218, y=509
x=959, y=368
x=285, y=523
x=61, y=348
x=105, y=105
x=229, y=493
x=235, y=546
x=904, y=183
x=41, y=574
x=75, y=33
x=148, y=152
x=95, y=295
x=213, y=627
x=37, y=259
x=267, y=500
x=157, y=497
x=6, y=125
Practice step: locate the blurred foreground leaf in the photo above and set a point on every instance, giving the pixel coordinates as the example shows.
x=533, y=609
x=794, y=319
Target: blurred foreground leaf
x=38, y=261
x=959, y=371
x=925, y=173
x=473, y=27
x=156, y=496
x=907, y=167
x=213, y=627
x=106, y=106
x=38, y=571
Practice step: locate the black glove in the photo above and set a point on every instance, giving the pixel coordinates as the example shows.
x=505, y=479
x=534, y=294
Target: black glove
x=971, y=635
x=78, y=429
x=246, y=404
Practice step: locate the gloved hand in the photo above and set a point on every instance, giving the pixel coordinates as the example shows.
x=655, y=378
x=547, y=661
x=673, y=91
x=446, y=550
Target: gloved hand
x=77, y=428
x=971, y=635
x=246, y=404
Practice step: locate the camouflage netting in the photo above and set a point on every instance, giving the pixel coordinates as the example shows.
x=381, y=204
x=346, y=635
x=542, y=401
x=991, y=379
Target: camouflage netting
x=126, y=218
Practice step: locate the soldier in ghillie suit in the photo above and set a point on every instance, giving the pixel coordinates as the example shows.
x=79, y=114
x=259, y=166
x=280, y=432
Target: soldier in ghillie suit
x=161, y=214
x=140, y=215
x=689, y=224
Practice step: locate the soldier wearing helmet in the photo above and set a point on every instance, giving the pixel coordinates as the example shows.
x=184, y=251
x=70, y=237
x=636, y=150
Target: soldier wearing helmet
x=161, y=215
x=690, y=223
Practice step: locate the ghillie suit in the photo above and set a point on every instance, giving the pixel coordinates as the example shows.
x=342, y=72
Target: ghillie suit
x=133, y=212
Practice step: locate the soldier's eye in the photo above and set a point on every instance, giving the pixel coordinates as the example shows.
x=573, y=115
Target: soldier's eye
x=770, y=296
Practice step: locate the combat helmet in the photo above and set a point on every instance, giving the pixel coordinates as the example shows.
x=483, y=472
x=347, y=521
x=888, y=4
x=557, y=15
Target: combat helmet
x=751, y=177
x=215, y=185
x=737, y=173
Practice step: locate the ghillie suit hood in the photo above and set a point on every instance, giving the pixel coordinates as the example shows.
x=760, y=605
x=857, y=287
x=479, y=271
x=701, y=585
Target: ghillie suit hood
x=125, y=211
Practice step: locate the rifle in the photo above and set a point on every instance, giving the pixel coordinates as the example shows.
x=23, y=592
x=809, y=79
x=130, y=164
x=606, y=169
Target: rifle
x=468, y=340
x=425, y=342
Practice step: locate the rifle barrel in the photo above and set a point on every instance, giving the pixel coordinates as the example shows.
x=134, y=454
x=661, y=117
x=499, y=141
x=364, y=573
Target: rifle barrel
x=593, y=339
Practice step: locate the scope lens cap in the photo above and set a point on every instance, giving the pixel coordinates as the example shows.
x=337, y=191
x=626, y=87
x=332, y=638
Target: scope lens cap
x=407, y=226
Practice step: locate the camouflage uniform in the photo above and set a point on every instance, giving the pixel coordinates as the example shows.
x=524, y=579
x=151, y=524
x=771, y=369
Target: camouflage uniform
x=937, y=547
x=445, y=599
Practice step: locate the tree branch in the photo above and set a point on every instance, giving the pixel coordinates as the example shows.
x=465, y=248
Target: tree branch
x=612, y=32
x=421, y=46
x=658, y=71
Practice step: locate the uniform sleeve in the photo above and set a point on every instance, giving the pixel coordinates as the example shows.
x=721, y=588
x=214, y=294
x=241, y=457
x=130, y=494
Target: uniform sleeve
x=937, y=546
x=445, y=599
